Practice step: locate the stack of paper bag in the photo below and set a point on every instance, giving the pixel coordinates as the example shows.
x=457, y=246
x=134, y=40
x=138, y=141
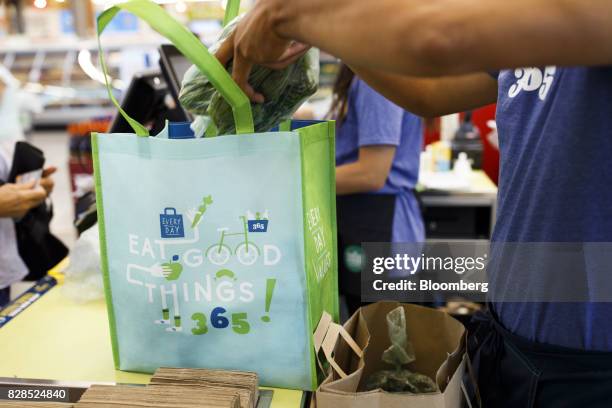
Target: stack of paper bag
x=167, y=396
x=245, y=384
x=33, y=404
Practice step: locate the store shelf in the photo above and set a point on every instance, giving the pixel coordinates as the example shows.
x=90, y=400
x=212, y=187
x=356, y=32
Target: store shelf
x=60, y=74
x=61, y=117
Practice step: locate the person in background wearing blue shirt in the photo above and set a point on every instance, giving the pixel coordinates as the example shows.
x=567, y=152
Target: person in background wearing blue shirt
x=548, y=65
x=377, y=157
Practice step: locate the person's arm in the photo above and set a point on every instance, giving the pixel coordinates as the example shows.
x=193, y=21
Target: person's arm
x=425, y=38
x=432, y=97
x=369, y=173
x=17, y=199
x=376, y=126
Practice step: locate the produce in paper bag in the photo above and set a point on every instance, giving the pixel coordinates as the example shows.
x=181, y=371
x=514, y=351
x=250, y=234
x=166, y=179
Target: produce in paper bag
x=399, y=354
x=284, y=91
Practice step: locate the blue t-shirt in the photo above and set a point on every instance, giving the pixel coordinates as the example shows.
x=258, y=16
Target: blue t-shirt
x=373, y=120
x=555, y=133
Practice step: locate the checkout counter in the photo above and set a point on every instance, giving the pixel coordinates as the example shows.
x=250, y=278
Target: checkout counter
x=458, y=209
x=47, y=339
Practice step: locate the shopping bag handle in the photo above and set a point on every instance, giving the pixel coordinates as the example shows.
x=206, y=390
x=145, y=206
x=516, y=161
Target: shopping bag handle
x=192, y=48
x=231, y=11
x=326, y=337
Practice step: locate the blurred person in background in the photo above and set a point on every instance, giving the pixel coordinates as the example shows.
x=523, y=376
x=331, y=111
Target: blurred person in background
x=16, y=200
x=378, y=145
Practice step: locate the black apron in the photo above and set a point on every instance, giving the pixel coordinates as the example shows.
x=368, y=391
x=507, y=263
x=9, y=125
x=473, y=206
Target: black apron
x=513, y=372
x=361, y=218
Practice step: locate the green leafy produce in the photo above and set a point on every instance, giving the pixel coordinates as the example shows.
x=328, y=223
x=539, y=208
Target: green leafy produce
x=399, y=354
x=284, y=91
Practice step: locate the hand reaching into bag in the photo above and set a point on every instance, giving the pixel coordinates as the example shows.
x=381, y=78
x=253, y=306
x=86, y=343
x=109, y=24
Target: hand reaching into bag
x=255, y=42
x=17, y=199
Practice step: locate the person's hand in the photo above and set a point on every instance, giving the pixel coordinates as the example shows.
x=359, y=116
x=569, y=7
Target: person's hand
x=254, y=41
x=46, y=181
x=17, y=199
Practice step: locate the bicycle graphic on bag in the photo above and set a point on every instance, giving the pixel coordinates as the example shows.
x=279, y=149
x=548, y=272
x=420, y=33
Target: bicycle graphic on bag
x=246, y=251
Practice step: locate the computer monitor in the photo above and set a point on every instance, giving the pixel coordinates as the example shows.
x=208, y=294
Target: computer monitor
x=173, y=65
x=148, y=100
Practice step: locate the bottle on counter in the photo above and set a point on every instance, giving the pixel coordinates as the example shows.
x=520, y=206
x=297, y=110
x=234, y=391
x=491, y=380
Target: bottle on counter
x=463, y=166
x=442, y=155
x=426, y=163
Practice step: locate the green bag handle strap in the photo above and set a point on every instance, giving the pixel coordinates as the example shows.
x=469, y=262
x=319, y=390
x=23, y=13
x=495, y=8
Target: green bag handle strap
x=192, y=48
x=231, y=11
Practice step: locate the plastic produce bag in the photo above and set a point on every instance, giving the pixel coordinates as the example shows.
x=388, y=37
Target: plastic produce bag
x=400, y=353
x=84, y=276
x=284, y=91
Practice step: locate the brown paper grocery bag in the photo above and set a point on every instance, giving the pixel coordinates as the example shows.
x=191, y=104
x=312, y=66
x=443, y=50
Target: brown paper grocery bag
x=439, y=345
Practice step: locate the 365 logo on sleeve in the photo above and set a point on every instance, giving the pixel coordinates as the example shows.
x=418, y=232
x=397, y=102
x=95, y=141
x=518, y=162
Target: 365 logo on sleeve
x=533, y=79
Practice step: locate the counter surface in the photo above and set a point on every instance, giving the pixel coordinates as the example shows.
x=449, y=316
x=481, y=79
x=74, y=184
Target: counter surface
x=57, y=339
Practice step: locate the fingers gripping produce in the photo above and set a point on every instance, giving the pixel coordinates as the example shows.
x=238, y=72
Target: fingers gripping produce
x=284, y=91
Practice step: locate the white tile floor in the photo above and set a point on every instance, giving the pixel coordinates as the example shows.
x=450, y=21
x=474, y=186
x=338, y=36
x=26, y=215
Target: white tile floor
x=55, y=147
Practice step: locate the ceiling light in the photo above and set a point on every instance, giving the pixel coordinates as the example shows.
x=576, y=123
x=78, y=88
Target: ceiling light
x=180, y=7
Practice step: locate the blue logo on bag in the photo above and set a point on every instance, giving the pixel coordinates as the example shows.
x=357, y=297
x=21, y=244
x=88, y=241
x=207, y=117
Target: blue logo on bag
x=171, y=224
x=258, y=225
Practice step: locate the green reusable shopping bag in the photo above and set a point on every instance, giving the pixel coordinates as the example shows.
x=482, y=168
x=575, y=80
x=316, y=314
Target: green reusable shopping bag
x=217, y=252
